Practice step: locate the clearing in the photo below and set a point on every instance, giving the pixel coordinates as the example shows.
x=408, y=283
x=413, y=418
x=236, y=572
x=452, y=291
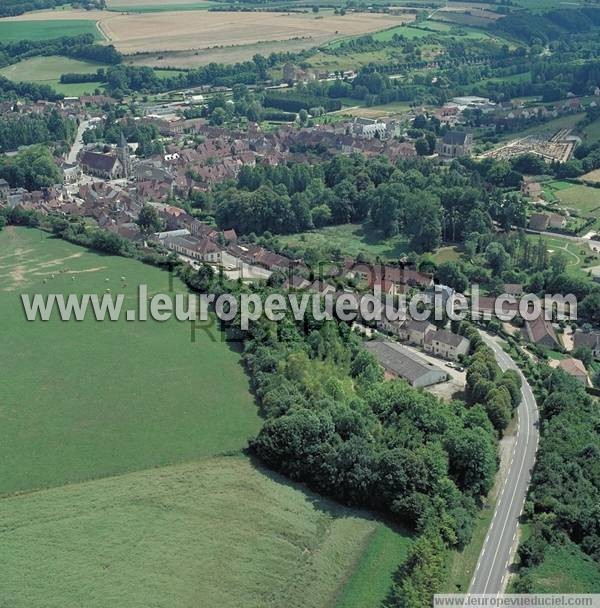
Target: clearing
x=218, y=532
x=349, y=239
x=81, y=400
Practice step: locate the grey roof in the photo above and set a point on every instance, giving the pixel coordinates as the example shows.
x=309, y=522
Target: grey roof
x=591, y=340
x=446, y=337
x=3, y=183
x=420, y=326
x=100, y=162
x=401, y=360
x=455, y=138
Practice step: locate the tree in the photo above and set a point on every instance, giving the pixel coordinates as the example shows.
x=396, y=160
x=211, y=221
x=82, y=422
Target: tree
x=149, y=221
x=450, y=273
x=422, y=146
x=497, y=257
x=315, y=8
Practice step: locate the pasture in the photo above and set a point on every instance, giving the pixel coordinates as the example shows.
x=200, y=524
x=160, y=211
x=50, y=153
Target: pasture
x=82, y=400
x=47, y=70
x=217, y=532
x=14, y=31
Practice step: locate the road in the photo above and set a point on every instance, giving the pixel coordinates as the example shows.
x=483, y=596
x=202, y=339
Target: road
x=491, y=573
x=78, y=143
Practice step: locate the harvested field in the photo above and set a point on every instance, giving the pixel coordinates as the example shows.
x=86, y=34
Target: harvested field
x=185, y=30
x=592, y=176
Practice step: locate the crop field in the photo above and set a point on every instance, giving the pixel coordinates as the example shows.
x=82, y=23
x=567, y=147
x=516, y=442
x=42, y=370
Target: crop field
x=13, y=31
x=217, y=532
x=47, y=70
x=81, y=400
x=200, y=29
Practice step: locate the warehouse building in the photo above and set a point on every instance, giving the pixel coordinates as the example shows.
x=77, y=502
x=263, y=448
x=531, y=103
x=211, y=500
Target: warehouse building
x=402, y=362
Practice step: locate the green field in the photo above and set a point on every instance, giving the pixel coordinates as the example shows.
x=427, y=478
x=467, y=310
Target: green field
x=566, y=570
x=373, y=576
x=585, y=199
x=218, y=532
x=81, y=400
x=350, y=239
x=48, y=70
x=13, y=31
x=592, y=132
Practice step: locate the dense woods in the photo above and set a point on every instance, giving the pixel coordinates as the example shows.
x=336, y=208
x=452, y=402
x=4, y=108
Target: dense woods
x=34, y=129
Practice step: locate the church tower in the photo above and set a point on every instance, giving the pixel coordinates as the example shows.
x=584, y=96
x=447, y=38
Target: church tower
x=123, y=154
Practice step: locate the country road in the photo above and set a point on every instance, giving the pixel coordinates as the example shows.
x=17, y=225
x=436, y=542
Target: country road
x=78, y=143
x=491, y=573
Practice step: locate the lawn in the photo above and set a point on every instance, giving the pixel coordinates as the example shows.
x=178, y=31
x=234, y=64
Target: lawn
x=218, y=532
x=350, y=239
x=14, y=31
x=82, y=400
x=592, y=132
x=575, y=254
x=395, y=107
x=48, y=70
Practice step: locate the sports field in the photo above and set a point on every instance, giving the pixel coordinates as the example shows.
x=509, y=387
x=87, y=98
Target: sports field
x=81, y=400
x=217, y=532
x=14, y=31
x=48, y=70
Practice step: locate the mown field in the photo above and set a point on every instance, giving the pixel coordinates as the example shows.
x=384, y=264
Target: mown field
x=350, y=239
x=81, y=400
x=48, y=70
x=218, y=532
x=157, y=6
x=585, y=199
x=13, y=31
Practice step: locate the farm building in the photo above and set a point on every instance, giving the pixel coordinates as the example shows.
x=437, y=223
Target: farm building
x=402, y=362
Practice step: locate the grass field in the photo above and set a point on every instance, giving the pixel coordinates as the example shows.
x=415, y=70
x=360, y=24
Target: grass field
x=592, y=132
x=396, y=107
x=373, y=576
x=585, y=199
x=13, y=31
x=157, y=6
x=47, y=70
x=82, y=400
x=218, y=532
x=351, y=239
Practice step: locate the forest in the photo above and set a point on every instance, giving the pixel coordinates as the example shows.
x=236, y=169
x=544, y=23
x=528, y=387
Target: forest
x=27, y=129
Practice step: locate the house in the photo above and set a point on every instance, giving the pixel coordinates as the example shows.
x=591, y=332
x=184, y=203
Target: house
x=230, y=235
x=540, y=332
x=415, y=331
x=368, y=128
x=532, y=189
x=454, y=144
x=575, y=368
x=322, y=288
x=399, y=361
x=538, y=222
x=444, y=343
x=71, y=173
x=295, y=282
x=107, y=166
x=557, y=221
x=590, y=340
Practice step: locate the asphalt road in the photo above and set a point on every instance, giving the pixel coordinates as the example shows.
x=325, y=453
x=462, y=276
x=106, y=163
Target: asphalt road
x=491, y=573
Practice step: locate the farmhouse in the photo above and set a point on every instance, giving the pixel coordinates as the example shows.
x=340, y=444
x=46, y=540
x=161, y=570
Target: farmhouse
x=400, y=361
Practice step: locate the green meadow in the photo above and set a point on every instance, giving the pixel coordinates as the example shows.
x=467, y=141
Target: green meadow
x=81, y=400
x=14, y=31
x=218, y=532
x=48, y=70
